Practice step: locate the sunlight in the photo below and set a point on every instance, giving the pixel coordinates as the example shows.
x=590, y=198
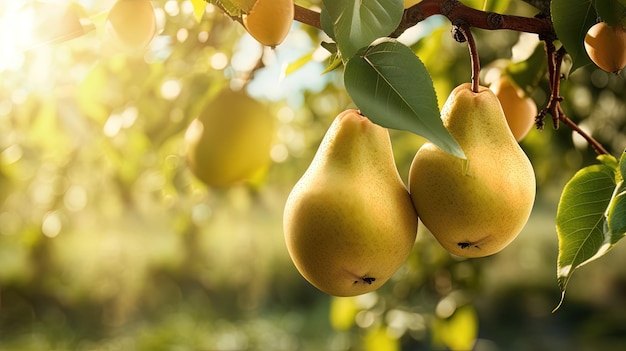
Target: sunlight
x=16, y=35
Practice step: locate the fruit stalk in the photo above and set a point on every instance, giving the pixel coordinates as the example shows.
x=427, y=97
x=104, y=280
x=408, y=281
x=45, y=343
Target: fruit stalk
x=464, y=29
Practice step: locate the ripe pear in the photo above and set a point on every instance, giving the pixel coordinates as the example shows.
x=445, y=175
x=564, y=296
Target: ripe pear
x=476, y=206
x=349, y=222
x=520, y=111
x=269, y=21
x=606, y=46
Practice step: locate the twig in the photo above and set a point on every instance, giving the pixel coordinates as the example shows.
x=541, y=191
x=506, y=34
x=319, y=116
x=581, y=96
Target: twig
x=307, y=16
x=555, y=58
x=464, y=29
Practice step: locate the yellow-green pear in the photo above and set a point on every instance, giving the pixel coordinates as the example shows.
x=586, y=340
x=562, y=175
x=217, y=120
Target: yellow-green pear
x=230, y=141
x=476, y=206
x=349, y=222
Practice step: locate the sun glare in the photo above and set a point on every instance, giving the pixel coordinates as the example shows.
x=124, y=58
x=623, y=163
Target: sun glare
x=16, y=35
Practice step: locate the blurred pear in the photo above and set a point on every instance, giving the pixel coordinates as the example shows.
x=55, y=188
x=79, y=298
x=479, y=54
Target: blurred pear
x=520, y=111
x=130, y=26
x=230, y=141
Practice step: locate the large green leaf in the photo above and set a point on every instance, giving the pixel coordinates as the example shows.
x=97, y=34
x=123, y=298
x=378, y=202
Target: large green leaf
x=581, y=220
x=610, y=11
x=392, y=87
x=572, y=19
x=357, y=23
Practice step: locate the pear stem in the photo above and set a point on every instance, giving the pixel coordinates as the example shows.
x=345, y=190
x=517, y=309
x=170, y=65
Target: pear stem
x=471, y=44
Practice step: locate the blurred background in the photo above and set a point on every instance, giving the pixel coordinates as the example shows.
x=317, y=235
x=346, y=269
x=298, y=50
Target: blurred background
x=108, y=242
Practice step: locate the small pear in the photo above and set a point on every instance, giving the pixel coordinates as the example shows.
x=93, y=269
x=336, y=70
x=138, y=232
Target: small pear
x=477, y=206
x=130, y=26
x=520, y=111
x=349, y=222
x=606, y=46
x=269, y=21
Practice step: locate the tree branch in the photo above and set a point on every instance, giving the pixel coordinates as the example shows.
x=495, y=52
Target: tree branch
x=455, y=12
x=555, y=58
x=306, y=16
x=464, y=18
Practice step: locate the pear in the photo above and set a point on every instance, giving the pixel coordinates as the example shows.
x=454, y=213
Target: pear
x=520, y=111
x=349, y=222
x=606, y=46
x=130, y=26
x=475, y=206
x=230, y=141
x=269, y=21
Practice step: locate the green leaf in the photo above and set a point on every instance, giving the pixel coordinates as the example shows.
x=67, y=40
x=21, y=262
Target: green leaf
x=391, y=86
x=616, y=213
x=572, y=19
x=357, y=23
x=581, y=221
x=610, y=11
x=327, y=23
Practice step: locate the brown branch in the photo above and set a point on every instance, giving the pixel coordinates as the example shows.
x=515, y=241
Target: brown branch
x=555, y=58
x=306, y=16
x=597, y=147
x=455, y=12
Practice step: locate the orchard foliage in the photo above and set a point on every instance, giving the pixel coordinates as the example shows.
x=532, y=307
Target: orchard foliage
x=391, y=85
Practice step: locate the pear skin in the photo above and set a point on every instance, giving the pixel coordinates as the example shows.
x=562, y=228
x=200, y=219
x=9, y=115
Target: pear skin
x=520, y=111
x=349, y=222
x=477, y=206
x=606, y=46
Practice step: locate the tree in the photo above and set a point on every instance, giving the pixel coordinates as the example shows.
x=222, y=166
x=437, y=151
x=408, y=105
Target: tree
x=116, y=121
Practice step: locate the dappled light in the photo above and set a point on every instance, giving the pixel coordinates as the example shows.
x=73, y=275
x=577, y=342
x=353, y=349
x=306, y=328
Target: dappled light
x=131, y=218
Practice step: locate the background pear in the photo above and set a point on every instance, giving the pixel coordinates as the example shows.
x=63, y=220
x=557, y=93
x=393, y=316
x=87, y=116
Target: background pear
x=520, y=111
x=130, y=26
x=606, y=46
x=474, y=207
x=230, y=141
x=349, y=222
